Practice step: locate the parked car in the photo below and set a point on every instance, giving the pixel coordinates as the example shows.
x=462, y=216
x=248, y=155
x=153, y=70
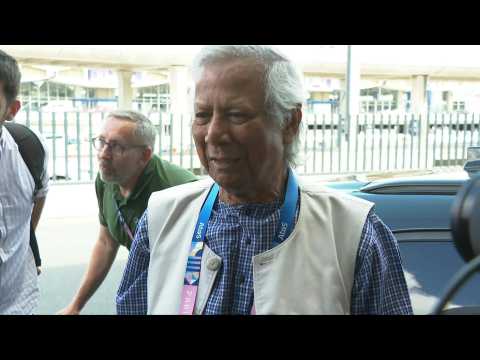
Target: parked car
x=418, y=210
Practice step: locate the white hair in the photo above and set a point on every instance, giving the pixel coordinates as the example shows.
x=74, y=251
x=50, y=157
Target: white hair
x=283, y=86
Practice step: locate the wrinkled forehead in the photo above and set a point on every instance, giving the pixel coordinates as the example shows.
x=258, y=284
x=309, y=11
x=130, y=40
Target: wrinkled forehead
x=228, y=75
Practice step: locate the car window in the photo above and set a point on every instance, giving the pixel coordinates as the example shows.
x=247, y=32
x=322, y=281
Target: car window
x=430, y=261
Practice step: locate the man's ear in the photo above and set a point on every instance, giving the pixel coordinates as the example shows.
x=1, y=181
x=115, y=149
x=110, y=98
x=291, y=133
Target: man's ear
x=292, y=127
x=147, y=154
x=13, y=109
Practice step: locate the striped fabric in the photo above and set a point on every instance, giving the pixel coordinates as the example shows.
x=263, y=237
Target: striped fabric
x=18, y=275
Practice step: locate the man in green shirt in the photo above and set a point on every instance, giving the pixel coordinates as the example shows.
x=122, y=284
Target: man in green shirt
x=128, y=173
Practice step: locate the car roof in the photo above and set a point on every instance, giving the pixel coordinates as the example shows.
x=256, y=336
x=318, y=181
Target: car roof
x=414, y=186
x=409, y=203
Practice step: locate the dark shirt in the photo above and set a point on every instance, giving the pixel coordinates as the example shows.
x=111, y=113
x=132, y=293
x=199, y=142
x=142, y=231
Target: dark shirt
x=158, y=175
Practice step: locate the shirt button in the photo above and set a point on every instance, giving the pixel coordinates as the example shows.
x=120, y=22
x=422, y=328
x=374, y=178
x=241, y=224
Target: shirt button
x=214, y=264
x=241, y=279
x=248, y=241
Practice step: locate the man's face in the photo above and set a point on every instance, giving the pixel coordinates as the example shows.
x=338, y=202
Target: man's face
x=117, y=167
x=7, y=110
x=240, y=148
x=3, y=107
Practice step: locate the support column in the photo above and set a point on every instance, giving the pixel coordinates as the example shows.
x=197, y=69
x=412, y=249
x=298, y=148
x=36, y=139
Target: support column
x=419, y=94
x=419, y=109
x=353, y=82
x=352, y=106
x=180, y=108
x=125, y=91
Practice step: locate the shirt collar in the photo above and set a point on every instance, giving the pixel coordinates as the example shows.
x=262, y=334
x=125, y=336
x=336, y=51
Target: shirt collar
x=259, y=210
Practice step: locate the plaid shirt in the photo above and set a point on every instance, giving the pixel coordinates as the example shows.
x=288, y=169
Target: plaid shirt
x=238, y=232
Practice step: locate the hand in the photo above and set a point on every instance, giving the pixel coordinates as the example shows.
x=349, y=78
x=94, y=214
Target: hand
x=69, y=310
x=39, y=270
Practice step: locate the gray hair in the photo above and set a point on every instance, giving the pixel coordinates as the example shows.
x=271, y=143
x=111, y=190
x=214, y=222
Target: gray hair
x=283, y=86
x=145, y=130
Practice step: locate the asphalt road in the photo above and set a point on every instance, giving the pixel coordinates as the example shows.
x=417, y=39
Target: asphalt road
x=66, y=234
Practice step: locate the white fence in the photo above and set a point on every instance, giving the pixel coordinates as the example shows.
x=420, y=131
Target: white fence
x=330, y=145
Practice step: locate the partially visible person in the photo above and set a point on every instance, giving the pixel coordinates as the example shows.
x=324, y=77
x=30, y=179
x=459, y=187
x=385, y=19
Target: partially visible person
x=21, y=203
x=257, y=239
x=128, y=173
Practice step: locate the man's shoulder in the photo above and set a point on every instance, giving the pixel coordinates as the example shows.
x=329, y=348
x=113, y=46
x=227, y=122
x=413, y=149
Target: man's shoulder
x=337, y=200
x=169, y=173
x=33, y=150
x=99, y=184
x=22, y=134
x=179, y=193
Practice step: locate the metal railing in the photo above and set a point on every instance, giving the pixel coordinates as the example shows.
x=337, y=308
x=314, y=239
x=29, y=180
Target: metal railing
x=329, y=144
x=387, y=142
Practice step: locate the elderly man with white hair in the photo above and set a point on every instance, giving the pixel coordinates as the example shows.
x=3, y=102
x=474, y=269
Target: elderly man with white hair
x=254, y=238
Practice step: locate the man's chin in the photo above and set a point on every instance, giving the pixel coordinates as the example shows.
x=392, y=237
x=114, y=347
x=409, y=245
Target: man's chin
x=227, y=181
x=107, y=178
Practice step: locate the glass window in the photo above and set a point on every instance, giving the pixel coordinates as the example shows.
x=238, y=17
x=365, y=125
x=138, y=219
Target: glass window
x=429, y=266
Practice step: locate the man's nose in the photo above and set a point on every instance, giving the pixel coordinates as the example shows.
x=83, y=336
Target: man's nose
x=218, y=130
x=104, y=153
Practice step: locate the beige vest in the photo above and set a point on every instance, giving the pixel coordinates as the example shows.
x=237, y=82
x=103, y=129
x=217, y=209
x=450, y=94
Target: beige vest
x=311, y=272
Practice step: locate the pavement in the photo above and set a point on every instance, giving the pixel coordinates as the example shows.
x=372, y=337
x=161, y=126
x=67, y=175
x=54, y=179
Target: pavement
x=66, y=234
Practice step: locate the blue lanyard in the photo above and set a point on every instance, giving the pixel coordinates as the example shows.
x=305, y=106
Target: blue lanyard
x=122, y=221
x=287, y=219
x=192, y=274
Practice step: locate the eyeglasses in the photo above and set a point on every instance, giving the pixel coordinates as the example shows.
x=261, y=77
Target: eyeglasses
x=116, y=148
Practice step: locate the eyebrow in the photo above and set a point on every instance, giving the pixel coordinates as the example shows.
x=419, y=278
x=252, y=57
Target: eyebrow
x=231, y=103
x=112, y=141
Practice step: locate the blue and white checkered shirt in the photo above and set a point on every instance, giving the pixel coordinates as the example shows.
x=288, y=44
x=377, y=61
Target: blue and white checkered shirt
x=238, y=232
